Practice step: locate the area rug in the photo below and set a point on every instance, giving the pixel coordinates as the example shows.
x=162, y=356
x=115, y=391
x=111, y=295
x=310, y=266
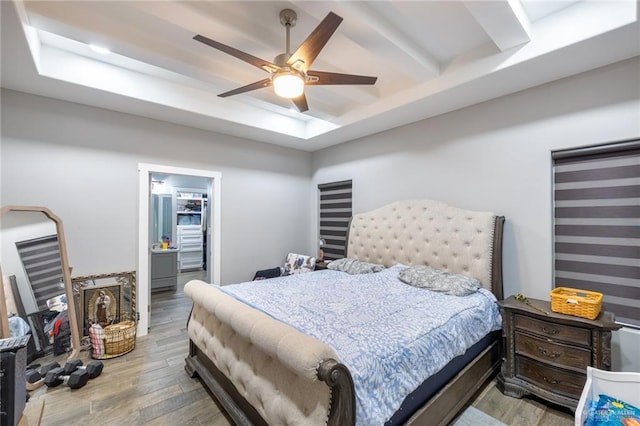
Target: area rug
x=474, y=417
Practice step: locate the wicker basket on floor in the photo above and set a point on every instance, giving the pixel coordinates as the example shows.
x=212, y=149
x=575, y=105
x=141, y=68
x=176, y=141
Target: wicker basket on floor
x=117, y=339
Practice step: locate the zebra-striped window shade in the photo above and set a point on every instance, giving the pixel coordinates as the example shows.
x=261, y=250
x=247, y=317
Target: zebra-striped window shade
x=43, y=266
x=335, y=213
x=597, y=224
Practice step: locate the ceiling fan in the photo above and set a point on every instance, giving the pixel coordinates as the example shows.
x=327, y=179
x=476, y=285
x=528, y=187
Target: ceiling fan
x=289, y=72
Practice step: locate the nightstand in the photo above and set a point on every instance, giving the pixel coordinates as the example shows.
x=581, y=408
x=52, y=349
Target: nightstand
x=548, y=355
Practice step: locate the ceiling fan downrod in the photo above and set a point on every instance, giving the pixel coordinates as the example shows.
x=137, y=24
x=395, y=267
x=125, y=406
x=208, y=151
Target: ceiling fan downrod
x=288, y=19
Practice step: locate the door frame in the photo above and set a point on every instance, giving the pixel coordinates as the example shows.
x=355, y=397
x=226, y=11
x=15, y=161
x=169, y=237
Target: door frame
x=144, y=193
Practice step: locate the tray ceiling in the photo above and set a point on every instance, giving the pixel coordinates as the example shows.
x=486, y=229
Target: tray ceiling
x=430, y=57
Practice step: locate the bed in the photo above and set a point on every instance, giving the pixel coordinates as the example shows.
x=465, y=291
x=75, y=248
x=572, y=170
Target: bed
x=263, y=370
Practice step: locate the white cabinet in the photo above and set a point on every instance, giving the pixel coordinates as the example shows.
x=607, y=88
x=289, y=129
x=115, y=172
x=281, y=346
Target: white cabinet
x=190, y=241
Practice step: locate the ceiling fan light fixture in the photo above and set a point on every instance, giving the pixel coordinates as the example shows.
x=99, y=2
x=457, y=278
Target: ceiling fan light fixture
x=290, y=72
x=288, y=84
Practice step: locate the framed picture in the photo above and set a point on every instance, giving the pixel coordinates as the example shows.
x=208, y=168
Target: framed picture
x=122, y=300
x=100, y=304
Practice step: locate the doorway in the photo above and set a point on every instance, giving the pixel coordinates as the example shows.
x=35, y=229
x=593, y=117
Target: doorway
x=178, y=220
x=184, y=179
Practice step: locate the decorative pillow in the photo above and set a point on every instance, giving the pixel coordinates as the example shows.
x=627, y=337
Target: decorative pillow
x=354, y=266
x=437, y=280
x=298, y=263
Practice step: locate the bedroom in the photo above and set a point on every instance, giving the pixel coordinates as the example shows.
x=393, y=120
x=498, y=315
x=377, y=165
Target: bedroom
x=491, y=156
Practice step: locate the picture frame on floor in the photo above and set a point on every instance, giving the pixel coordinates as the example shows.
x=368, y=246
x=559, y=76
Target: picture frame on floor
x=104, y=298
x=100, y=304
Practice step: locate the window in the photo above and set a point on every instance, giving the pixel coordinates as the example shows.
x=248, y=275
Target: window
x=597, y=224
x=334, y=215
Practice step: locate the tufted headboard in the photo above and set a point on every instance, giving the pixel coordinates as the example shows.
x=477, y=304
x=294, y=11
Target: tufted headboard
x=432, y=233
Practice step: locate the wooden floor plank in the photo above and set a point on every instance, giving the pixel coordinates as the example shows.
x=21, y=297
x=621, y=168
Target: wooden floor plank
x=171, y=404
x=196, y=413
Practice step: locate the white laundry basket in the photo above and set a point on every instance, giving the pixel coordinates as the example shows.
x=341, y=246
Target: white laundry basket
x=622, y=386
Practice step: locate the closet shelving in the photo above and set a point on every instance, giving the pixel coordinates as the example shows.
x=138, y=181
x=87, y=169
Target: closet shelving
x=189, y=208
x=189, y=211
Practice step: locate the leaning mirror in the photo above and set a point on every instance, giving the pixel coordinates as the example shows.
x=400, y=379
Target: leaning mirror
x=36, y=294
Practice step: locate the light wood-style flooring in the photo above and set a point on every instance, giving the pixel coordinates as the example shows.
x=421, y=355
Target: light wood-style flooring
x=149, y=385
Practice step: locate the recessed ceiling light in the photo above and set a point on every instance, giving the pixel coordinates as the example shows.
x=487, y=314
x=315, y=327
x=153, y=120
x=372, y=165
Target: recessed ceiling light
x=99, y=49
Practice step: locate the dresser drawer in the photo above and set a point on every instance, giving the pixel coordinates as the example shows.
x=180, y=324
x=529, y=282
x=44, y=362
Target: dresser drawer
x=555, y=353
x=191, y=260
x=191, y=238
x=186, y=246
x=567, y=333
x=164, y=283
x=562, y=382
x=189, y=230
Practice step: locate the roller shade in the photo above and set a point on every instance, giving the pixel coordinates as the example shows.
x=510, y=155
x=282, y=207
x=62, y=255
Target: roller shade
x=596, y=193
x=335, y=213
x=43, y=266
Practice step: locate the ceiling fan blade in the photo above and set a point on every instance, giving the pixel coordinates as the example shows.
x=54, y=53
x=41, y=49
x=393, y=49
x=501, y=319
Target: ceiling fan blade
x=311, y=47
x=250, y=59
x=301, y=103
x=326, y=78
x=253, y=86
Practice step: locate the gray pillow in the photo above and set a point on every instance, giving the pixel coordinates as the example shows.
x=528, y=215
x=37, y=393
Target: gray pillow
x=354, y=266
x=437, y=280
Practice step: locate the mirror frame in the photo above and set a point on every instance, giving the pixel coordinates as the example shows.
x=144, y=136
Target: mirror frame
x=66, y=276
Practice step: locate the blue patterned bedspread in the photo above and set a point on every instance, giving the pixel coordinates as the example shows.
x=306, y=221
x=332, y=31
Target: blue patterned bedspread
x=390, y=335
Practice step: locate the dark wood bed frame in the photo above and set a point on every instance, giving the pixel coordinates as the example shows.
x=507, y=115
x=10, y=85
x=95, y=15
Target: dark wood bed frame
x=440, y=409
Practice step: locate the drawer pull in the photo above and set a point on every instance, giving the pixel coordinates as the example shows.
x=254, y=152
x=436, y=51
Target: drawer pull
x=548, y=354
x=550, y=331
x=550, y=381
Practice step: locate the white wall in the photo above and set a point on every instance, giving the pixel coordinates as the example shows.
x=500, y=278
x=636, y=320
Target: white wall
x=496, y=156
x=81, y=162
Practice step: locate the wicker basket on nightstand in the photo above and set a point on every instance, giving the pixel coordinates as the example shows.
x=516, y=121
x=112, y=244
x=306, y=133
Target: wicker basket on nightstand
x=580, y=303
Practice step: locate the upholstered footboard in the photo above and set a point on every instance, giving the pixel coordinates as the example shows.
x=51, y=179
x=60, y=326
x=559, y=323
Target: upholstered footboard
x=261, y=370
